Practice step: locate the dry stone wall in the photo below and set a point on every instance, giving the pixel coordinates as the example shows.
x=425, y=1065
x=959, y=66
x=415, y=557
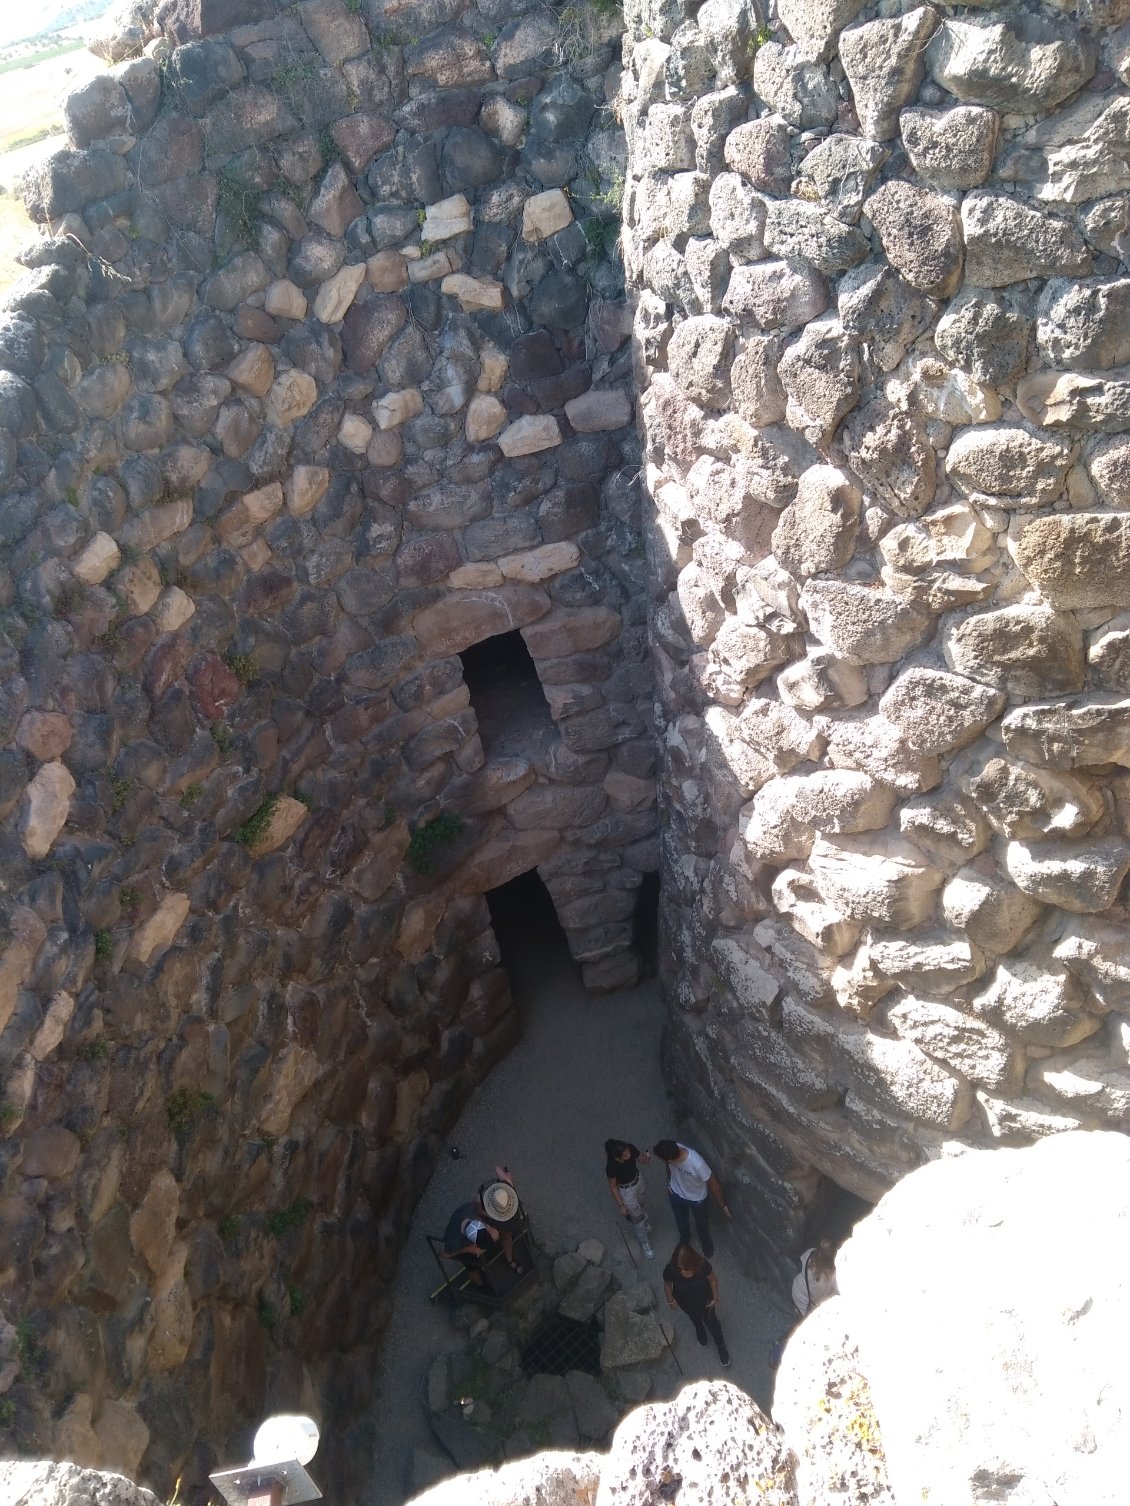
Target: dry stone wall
x=321, y=377
x=879, y=252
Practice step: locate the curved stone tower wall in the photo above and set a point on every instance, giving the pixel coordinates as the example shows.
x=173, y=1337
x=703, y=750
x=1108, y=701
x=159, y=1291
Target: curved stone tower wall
x=882, y=340
x=322, y=379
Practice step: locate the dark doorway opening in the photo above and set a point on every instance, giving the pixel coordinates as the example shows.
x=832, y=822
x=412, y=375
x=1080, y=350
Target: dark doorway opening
x=645, y=925
x=527, y=930
x=509, y=702
x=835, y=1212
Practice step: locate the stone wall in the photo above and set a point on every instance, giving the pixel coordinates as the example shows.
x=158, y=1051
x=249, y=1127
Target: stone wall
x=321, y=378
x=881, y=339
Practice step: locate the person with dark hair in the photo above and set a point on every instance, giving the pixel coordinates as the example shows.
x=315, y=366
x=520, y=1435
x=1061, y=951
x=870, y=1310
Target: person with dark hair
x=816, y=1280
x=689, y=1182
x=690, y=1283
x=621, y=1167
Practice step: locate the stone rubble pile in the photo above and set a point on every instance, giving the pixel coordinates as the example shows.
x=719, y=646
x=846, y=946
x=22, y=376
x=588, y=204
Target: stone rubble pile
x=878, y=251
x=482, y=1406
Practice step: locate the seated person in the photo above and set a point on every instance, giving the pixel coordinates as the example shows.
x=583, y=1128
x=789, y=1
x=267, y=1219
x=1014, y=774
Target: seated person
x=500, y=1208
x=468, y=1238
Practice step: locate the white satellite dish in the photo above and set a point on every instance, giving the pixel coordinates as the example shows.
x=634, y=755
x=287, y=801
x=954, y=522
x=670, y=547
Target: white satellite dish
x=285, y=1437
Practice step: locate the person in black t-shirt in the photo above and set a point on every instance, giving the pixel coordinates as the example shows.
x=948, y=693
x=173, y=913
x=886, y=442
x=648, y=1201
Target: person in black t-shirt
x=624, y=1182
x=690, y=1283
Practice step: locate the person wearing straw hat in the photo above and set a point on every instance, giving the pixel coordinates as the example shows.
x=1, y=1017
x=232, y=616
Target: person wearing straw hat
x=500, y=1205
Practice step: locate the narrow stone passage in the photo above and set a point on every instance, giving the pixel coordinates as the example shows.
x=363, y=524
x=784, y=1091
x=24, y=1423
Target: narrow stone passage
x=585, y=1069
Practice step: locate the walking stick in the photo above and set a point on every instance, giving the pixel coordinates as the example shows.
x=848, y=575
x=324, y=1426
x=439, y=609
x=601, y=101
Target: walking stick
x=627, y=1247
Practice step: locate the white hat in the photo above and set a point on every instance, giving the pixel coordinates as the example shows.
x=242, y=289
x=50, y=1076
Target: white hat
x=500, y=1201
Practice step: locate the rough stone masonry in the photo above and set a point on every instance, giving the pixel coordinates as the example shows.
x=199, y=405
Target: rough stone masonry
x=883, y=357
x=323, y=377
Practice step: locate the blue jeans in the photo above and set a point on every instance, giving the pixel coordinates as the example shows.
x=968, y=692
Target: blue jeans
x=683, y=1211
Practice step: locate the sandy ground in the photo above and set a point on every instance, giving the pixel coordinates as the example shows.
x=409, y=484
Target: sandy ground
x=586, y=1069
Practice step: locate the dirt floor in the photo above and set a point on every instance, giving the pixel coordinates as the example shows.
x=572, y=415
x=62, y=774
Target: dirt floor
x=586, y=1069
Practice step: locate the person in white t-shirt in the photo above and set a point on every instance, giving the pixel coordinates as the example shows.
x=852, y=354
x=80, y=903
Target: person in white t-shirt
x=816, y=1280
x=690, y=1185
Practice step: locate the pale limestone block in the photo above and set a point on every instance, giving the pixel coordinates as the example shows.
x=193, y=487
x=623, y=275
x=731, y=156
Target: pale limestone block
x=173, y=610
x=338, y=292
x=138, y=585
x=96, y=561
x=485, y=417
x=292, y=396
x=540, y=563
x=285, y=301
x=473, y=293
x=46, y=803
x=354, y=433
x=158, y=931
x=526, y=436
x=396, y=408
x=428, y=268
x=447, y=218
x=305, y=488
x=287, y=815
x=253, y=370
x=152, y=1226
x=54, y=1025
x=544, y=214
x=493, y=366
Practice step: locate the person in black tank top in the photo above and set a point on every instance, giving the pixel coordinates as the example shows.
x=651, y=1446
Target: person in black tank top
x=621, y=1167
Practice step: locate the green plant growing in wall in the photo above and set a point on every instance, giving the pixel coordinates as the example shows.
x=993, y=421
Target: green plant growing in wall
x=221, y=736
x=244, y=668
x=228, y=1227
x=257, y=823
x=119, y=793
x=29, y=1351
x=297, y=1299
x=7, y=1414
x=238, y=202
x=9, y=1113
x=612, y=197
x=267, y=1313
x=96, y=1050
x=103, y=943
x=184, y=1106
x=190, y=795
x=293, y=1216
x=428, y=840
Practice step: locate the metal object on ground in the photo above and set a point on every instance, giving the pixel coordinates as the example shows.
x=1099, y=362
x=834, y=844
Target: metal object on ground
x=276, y=1475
